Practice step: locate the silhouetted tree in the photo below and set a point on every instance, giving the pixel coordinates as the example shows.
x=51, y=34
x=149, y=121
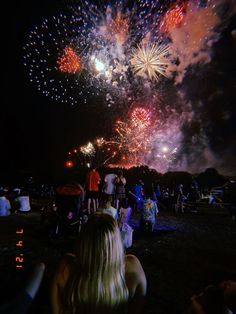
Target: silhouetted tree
x=210, y=178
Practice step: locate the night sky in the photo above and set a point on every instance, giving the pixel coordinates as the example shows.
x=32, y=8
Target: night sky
x=37, y=133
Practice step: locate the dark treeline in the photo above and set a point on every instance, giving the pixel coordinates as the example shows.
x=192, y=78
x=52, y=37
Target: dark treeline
x=205, y=180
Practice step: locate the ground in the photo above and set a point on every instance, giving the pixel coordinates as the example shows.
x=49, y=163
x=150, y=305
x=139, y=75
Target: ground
x=185, y=253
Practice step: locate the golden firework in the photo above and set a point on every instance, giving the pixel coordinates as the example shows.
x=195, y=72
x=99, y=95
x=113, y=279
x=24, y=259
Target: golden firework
x=150, y=60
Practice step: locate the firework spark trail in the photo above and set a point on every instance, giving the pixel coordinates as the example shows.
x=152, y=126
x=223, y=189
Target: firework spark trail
x=192, y=43
x=69, y=62
x=88, y=149
x=43, y=56
x=140, y=118
x=141, y=139
x=109, y=41
x=116, y=49
x=90, y=153
x=151, y=60
x=195, y=33
x=173, y=17
x=68, y=54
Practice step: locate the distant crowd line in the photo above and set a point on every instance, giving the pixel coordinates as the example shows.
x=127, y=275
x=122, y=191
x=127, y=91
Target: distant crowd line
x=176, y=197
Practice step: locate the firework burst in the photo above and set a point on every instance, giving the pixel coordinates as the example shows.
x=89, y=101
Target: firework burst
x=150, y=60
x=140, y=139
x=69, y=62
x=96, y=48
x=88, y=149
x=87, y=51
x=53, y=58
x=140, y=118
x=115, y=50
x=173, y=17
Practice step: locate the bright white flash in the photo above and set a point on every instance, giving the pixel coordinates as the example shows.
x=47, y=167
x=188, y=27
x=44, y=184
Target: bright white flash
x=99, y=66
x=165, y=149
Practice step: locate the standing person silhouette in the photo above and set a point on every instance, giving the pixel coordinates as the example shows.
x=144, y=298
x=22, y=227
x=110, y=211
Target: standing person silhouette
x=149, y=213
x=139, y=193
x=120, y=183
x=109, y=186
x=91, y=186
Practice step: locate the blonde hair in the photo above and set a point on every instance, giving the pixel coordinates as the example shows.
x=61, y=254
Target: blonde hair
x=105, y=201
x=99, y=285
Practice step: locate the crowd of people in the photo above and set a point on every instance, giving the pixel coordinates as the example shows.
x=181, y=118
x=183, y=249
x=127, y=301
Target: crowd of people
x=89, y=196
x=98, y=276
x=14, y=201
x=109, y=196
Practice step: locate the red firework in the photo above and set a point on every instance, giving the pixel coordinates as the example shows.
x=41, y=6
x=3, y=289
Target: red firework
x=69, y=62
x=120, y=24
x=140, y=118
x=173, y=17
x=69, y=164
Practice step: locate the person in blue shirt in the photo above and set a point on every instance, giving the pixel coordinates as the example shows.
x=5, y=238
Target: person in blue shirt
x=139, y=194
x=149, y=213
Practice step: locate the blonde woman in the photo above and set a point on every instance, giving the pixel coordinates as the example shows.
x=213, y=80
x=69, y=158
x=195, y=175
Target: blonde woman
x=99, y=278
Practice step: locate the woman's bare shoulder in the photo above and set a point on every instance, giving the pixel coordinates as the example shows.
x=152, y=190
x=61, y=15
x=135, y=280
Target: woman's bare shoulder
x=67, y=260
x=131, y=261
x=65, y=266
x=135, y=276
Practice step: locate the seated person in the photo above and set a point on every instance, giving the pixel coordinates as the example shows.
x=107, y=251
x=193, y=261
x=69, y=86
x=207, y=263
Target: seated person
x=22, y=302
x=149, y=213
x=124, y=212
x=106, y=208
x=23, y=202
x=215, y=299
x=5, y=205
x=98, y=277
x=125, y=229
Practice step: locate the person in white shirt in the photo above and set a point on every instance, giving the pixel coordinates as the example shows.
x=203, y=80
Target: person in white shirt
x=23, y=202
x=5, y=205
x=109, y=186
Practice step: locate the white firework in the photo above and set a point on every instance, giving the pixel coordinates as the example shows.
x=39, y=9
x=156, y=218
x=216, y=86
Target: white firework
x=150, y=60
x=100, y=36
x=88, y=149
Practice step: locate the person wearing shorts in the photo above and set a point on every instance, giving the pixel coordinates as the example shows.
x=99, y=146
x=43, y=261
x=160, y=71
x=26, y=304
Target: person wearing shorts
x=92, y=190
